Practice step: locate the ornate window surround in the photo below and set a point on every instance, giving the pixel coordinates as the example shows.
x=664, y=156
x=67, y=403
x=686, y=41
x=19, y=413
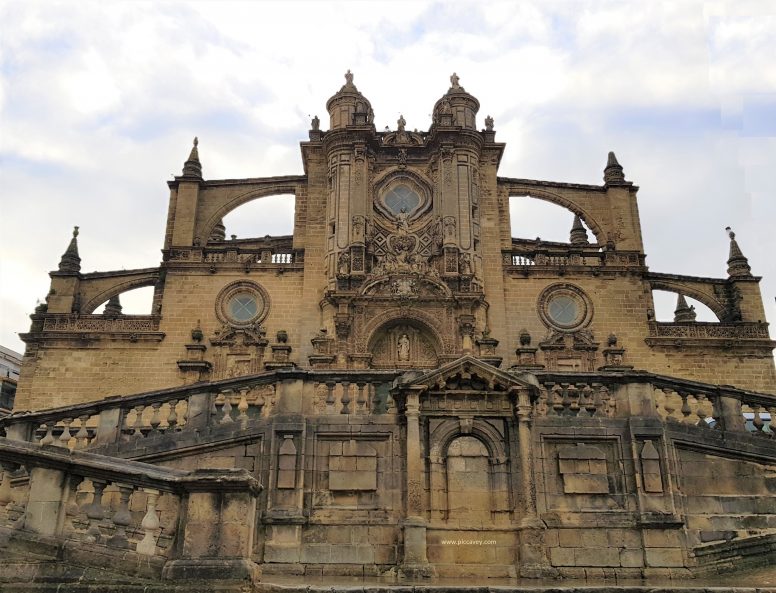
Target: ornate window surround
x=411, y=179
x=242, y=287
x=584, y=307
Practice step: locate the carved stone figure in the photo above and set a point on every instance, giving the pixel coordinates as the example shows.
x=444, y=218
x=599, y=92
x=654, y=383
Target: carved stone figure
x=343, y=264
x=489, y=123
x=453, y=81
x=403, y=348
x=315, y=124
x=465, y=263
x=402, y=221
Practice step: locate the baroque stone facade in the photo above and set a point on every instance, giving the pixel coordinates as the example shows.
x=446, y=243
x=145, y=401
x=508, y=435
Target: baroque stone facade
x=400, y=388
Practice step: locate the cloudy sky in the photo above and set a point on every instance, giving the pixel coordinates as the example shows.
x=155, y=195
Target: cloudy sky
x=99, y=103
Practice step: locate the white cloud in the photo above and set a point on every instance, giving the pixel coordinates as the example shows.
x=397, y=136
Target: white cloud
x=99, y=102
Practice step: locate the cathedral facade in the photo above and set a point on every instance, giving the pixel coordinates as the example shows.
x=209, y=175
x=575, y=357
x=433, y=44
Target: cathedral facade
x=400, y=387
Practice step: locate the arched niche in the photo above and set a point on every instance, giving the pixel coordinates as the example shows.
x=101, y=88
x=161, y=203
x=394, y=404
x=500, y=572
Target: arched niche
x=468, y=481
x=404, y=343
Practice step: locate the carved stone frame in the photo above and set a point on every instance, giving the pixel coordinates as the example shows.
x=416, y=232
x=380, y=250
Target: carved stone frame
x=575, y=293
x=258, y=291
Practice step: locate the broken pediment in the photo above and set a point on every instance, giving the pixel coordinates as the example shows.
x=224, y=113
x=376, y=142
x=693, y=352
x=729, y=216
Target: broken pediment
x=408, y=285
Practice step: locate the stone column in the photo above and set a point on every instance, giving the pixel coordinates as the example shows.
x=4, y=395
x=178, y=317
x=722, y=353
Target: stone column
x=415, y=564
x=732, y=414
x=532, y=561
x=46, y=501
x=218, y=526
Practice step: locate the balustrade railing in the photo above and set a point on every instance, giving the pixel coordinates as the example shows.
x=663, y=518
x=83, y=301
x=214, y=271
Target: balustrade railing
x=230, y=402
x=239, y=401
x=88, y=499
x=528, y=253
x=238, y=253
x=578, y=399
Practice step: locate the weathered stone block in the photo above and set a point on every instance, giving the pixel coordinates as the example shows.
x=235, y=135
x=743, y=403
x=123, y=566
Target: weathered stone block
x=664, y=557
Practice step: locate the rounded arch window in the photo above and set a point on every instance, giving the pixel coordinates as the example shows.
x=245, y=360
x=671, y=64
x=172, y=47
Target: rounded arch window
x=242, y=303
x=565, y=307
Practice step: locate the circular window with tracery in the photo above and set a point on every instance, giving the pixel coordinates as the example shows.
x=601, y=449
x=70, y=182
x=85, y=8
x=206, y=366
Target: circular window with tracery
x=242, y=303
x=565, y=307
x=402, y=196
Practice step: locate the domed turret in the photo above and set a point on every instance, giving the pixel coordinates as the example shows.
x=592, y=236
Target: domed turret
x=348, y=107
x=456, y=107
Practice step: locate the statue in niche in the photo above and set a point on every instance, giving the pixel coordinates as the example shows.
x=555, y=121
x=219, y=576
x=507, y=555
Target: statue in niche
x=403, y=348
x=466, y=263
x=358, y=226
x=343, y=265
x=449, y=223
x=445, y=109
x=402, y=221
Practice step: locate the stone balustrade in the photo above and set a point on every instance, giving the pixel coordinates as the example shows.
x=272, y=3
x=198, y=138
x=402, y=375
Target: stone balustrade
x=229, y=402
x=126, y=516
x=241, y=252
x=240, y=401
x=529, y=254
x=580, y=399
x=100, y=323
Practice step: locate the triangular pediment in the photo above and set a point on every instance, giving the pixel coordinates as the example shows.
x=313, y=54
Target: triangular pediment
x=465, y=373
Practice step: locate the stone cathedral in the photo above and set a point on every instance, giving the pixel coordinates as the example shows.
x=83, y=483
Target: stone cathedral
x=400, y=389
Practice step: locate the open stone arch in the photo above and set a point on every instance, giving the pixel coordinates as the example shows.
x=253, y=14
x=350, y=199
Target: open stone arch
x=216, y=206
x=711, y=301
x=518, y=191
x=96, y=291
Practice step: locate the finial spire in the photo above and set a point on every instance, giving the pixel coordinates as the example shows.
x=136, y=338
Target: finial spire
x=613, y=174
x=578, y=235
x=683, y=312
x=113, y=308
x=218, y=233
x=738, y=265
x=71, y=261
x=192, y=167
